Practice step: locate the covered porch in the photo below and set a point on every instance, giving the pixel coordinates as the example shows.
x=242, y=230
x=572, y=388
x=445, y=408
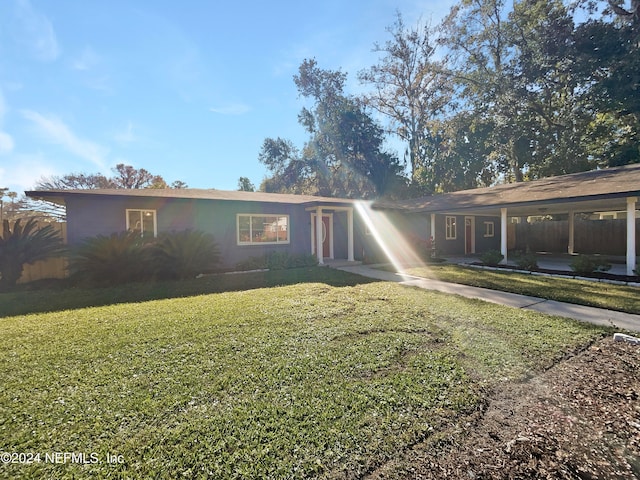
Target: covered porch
x=615, y=189
x=332, y=228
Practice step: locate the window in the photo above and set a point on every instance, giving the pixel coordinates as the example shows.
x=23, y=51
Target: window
x=488, y=229
x=142, y=221
x=451, y=228
x=263, y=229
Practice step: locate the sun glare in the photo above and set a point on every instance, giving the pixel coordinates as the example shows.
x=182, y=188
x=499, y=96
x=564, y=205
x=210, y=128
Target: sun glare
x=391, y=241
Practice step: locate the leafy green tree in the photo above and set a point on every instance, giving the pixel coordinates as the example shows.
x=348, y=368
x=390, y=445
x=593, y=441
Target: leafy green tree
x=177, y=184
x=245, y=185
x=23, y=244
x=478, y=34
x=458, y=148
x=608, y=57
x=556, y=112
x=290, y=172
x=344, y=156
x=519, y=74
x=412, y=89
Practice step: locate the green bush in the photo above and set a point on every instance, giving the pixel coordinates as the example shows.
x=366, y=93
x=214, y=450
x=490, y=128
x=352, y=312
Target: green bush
x=22, y=244
x=527, y=261
x=184, y=254
x=277, y=261
x=126, y=257
x=588, y=264
x=491, y=257
x=109, y=260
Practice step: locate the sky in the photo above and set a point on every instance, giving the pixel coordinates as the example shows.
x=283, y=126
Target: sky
x=187, y=90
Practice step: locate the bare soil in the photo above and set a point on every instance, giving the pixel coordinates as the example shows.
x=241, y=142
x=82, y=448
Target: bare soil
x=578, y=420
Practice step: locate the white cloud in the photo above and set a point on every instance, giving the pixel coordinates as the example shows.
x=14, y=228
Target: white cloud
x=25, y=171
x=232, y=109
x=6, y=141
x=87, y=60
x=56, y=131
x=36, y=32
x=126, y=135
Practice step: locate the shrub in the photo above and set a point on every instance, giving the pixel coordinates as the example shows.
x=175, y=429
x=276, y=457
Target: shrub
x=113, y=259
x=184, y=254
x=277, y=261
x=491, y=257
x=126, y=257
x=588, y=264
x=22, y=244
x=527, y=261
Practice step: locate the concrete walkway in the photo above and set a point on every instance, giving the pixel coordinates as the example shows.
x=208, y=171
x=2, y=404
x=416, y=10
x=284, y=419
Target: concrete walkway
x=597, y=316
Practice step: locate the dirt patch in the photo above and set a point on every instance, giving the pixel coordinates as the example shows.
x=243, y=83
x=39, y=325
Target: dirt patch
x=578, y=420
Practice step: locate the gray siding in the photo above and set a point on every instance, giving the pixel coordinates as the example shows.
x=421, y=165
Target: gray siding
x=90, y=216
x=457, y=246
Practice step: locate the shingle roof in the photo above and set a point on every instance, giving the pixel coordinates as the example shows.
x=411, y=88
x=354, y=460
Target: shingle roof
x=616, y=182
x=191, y=193
x=606, y=183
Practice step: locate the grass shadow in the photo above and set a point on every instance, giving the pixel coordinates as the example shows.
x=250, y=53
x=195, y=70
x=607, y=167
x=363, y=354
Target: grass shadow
x=60, y=296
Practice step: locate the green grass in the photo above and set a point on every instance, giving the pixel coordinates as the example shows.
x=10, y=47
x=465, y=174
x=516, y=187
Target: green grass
x=604, y=295
x=298, y=381
x=37, y=298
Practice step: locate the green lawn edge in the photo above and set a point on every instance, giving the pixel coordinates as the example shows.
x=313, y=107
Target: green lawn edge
x=621, y=298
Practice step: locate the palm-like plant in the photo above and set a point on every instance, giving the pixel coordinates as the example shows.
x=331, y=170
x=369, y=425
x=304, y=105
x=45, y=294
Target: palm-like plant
x=23, y=244
x=185, y=254
x=107, y=260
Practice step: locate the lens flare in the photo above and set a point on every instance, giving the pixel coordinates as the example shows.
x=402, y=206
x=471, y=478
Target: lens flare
x=389, y=238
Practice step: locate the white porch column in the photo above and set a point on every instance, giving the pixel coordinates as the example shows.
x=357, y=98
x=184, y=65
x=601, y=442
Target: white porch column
x=572, y=231
x=631, y=234
x=350, y=235
x=503, y=234
x=319, y=235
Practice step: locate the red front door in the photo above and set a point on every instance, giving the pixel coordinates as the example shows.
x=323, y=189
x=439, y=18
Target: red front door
x=468, y=236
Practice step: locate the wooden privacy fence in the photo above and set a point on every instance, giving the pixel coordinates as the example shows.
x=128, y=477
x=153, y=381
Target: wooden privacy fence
x=607, y=237
x=53, y=267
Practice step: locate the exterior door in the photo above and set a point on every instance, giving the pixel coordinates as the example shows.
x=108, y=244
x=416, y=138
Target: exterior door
x=469, y=243
x=326, y=234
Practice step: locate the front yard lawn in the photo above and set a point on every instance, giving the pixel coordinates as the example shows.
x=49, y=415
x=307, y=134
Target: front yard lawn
x=307, y=380
x=582, y=292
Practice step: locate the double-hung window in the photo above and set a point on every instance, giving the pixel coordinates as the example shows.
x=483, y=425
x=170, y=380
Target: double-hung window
x=488, y=229
x=143, y=222
x=262, y=229
x=451, y=232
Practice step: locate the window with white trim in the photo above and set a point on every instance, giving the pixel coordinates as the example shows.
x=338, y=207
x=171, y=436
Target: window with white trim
x=489, y=229
x=142, y=221
x=262, y=229
x=451, y=232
